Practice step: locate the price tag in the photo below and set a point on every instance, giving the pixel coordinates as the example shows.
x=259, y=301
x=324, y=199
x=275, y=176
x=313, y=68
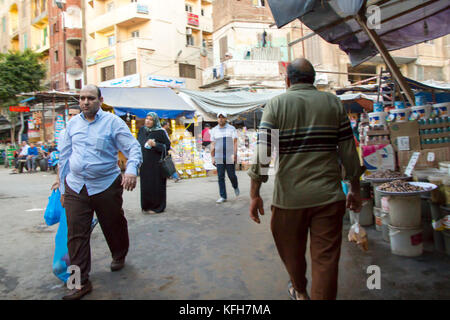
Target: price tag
x=412, y=163
x=403, y=143
x=430, y=157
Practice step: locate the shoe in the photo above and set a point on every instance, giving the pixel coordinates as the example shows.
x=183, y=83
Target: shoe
x=237, y=192
x=77, y=294
x=116, y=265
x=221, y=200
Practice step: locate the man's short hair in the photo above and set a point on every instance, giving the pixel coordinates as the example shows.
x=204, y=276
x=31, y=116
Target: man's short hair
x=99, y=93
x=296, y=76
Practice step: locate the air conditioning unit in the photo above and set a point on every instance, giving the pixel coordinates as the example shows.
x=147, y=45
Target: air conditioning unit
x=189, y=31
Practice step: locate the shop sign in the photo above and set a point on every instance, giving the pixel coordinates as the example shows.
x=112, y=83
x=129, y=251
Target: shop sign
x=193, y=19
x=125, y=82
x=100, y=56
x=158, y=81
x=19, y=109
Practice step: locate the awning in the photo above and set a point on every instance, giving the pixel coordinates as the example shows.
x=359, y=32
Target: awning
x=233, y=102
x=139, y=101
x=357, y=102
x=403, y=22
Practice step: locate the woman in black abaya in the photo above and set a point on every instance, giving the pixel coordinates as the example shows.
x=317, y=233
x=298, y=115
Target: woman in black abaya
x=154, y=142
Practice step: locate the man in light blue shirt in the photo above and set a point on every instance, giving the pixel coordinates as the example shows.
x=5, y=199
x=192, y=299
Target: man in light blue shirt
x=91, y=181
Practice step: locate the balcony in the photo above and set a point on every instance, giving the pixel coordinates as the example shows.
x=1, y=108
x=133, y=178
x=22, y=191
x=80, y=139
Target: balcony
x=40, y=20
x=43, y=48
x=206, y=24
x=14, y=33
x=243, y=71
x=124, y=16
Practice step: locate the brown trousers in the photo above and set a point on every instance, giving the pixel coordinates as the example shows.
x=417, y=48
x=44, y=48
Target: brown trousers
x=290, y=231
x=80, y=210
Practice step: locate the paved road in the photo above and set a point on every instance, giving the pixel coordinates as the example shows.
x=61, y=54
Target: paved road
x=195, y=250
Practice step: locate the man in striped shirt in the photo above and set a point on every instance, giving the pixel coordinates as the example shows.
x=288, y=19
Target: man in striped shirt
x=314, y=137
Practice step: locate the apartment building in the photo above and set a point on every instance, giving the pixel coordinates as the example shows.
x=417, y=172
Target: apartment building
x=50, y=27
x=66, y=62
x=141, y=43
x=249, y=51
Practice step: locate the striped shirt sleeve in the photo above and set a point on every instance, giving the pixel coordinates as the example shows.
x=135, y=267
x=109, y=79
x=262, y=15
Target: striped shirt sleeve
x=258, y=170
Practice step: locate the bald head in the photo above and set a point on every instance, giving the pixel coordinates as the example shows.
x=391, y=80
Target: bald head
x=301, y=71
x=92, y=87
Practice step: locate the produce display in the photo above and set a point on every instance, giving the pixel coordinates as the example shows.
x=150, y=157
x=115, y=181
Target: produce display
x=399, y=186
x=386, y=174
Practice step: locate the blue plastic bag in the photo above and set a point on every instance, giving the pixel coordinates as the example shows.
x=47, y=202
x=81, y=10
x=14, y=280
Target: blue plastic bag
x=61, y=256
x=54, y=208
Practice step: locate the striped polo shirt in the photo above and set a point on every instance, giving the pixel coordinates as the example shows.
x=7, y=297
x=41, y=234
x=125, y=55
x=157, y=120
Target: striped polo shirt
x=314, y=137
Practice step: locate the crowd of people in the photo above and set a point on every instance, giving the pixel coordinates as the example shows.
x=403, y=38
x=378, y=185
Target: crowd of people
x=32, y=156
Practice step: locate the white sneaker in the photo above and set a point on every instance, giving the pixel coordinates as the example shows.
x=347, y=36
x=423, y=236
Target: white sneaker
x=237, y=192
x=221, y=200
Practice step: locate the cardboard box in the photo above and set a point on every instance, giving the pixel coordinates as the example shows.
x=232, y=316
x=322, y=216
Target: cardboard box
x=440, y=154
x=405, y=129
x=378, y=157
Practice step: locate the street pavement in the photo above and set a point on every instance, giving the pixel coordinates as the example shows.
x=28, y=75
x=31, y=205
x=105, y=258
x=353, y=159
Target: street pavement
x=197, y=249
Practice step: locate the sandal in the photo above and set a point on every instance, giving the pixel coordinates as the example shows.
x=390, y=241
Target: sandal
x=292, y=292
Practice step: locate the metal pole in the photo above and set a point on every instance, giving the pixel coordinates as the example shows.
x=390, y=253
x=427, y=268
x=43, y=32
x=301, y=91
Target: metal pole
x=43, y=121
x=361, y=19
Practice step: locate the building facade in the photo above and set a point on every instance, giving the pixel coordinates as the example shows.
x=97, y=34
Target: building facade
x=139, y=43
x=250, y=52
x=51, y=28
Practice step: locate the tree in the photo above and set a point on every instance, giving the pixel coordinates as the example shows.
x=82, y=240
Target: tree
x=19, y=72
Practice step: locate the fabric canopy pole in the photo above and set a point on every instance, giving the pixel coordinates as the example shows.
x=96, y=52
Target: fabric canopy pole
x=361, y=18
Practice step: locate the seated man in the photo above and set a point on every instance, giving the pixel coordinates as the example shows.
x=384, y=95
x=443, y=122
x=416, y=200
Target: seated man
x=33, y=154
x=22, y=155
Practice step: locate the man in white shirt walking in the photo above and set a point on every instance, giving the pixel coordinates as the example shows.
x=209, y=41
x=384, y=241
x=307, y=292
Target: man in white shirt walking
x=224, y=154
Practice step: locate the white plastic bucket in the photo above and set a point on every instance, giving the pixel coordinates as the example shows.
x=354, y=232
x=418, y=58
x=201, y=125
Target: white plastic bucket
x=385, y=226
x=377, y=118
x=420, y=112
x=405, y=212
x=406, y=241
x=441, y=109
x=399, y=115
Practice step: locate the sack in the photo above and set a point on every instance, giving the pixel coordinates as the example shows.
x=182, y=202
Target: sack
x=54, y=208
x=61, y=257
x=166, y=164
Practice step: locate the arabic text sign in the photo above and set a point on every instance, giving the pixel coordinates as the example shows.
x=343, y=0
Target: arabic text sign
x=193, y=19
x=19, y=109
x=127, y=82
x=157, y=81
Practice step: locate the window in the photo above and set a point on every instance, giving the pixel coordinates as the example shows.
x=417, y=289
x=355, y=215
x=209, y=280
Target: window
x=111, y=40
x=259, y=3
x=129, y=67
x=55, y=27
x=77, y=52
x=223, y=45
x=56, y=85
x=56, y=56
x=78, y=84
x=188, y=8
x=189, y=40
x=110, y=6
x=202, y=12
x=4, y=24
x=135, y=34
x=133, y=0
x=25, y=41
x=187, y=70
x=107, y=73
